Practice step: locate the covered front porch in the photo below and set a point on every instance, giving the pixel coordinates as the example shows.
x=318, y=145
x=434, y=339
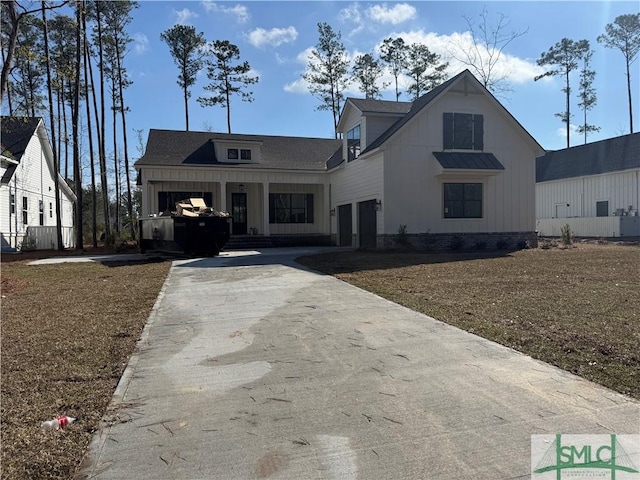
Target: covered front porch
x=281, y=206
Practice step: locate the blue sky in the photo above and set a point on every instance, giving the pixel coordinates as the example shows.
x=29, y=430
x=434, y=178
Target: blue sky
x=275, y=37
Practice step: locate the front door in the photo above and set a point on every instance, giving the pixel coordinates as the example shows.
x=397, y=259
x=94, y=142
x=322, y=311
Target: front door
x=239, y=213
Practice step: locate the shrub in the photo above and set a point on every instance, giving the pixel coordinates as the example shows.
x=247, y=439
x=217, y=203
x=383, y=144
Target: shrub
x=28, y=244
x=402, y=238
x=566, y=235
x=428, y=240
x=524, y=245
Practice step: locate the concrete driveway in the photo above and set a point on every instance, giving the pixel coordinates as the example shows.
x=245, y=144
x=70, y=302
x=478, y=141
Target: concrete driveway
x=253, y=367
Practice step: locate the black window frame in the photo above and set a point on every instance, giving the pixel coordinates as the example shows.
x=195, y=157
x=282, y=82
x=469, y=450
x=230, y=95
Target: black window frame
x=25, y=210
x=600, y=210
x=12, y=204
x=462, y=200
x=353, y=143
x=462, y=131
x=245, y=154
x=41, y=212
x=291, y=208
x=50, y=209
x=233, y=154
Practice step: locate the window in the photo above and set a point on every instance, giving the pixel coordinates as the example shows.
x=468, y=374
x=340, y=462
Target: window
x=602, y=208
x=50, y=210
x=41, y=211
x=232, y=153
x=463, y=131
x=25, y=211
x=353, y=143
x=290, y=208
x=245, y=154
x=12, y=203
x=462, y=200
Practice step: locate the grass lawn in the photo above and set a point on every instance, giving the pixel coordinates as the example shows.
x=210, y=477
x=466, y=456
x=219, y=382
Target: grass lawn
x=69, y=329
x=577, y=308
x=67, y=333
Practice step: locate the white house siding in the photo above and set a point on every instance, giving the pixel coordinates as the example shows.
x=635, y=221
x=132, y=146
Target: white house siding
x=33, y=179
x=413, y=188
x=577, y=197
x=358, y=181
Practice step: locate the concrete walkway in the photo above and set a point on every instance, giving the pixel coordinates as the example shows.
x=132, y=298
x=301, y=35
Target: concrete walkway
x=253, y=367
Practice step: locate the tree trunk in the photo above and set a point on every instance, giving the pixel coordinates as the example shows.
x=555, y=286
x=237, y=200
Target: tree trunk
x=126, y=154
x=75, y=110
x=630, y=104
x=94, y=209
x=101, y=134
x=115, y=155
x=568, y=119
x=53, y=130
x=14, y=20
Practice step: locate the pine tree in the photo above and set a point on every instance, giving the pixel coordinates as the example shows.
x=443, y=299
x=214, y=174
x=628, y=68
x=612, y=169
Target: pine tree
x=394, y=54
x=587, y=94
x=366, y=71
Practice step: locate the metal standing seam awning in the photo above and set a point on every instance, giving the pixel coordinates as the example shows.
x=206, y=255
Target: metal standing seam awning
x=468, y=161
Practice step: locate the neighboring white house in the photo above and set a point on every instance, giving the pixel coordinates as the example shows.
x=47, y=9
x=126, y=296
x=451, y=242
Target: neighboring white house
x=594, y=188
x=453, y=165
x=27, y=188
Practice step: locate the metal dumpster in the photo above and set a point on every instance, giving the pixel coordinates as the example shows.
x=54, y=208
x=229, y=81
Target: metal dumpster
x=192, y=236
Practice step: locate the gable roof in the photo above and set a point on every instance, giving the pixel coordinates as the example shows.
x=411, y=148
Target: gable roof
x=174, y=148
x=369, y=105
x=611, y=155
x=429, y=97
x=16, y=135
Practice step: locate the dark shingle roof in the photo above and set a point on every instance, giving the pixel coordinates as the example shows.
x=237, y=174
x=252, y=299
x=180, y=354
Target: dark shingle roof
x=611, y=155
x=368, y=105
x=16, y=134
x=468, y=160
x=416, y=106
x=172, y=148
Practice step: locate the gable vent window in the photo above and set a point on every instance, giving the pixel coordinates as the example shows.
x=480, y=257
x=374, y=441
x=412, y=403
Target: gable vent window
x=232, y=154
x=463, y=131
x=245, y=154
x=353, y=143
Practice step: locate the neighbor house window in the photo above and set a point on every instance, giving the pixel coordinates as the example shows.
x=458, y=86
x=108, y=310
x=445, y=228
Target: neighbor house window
x=232, y=153
x=462, y=200
x=50, y=210
x=463, y=131
x=245, y=154
x=290, y=208
x=41, y=211
x=353, y=143
x=12, y=203
x=602, y=208
x=25, y=211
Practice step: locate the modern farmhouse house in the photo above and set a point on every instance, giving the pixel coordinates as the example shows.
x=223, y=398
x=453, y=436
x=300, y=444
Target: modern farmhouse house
x=453, y=165
x=27, y=188
x=593, y=188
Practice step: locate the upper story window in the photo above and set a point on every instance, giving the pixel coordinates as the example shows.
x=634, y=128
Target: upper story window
x=232, y=154
x=41, y=211
x=463, y=131
x=25, y=211
x=12, y=203
x=245, y=154
x=353, y=143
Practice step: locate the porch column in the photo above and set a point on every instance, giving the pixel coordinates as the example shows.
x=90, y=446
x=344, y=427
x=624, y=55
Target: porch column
x=265, y=208
x=326, y=209
x=223, y=196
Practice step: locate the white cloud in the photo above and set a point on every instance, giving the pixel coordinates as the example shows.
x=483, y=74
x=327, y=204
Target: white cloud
x=400, y=12
x=140, y=43
x=297, y=86
x=184, y=16
x=562, y=131
x=351, y=14
x=276, y=36
x=240, y=12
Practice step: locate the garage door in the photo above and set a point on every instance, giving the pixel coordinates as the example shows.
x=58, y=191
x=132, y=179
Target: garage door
x=345, y=229
x=367, y=223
